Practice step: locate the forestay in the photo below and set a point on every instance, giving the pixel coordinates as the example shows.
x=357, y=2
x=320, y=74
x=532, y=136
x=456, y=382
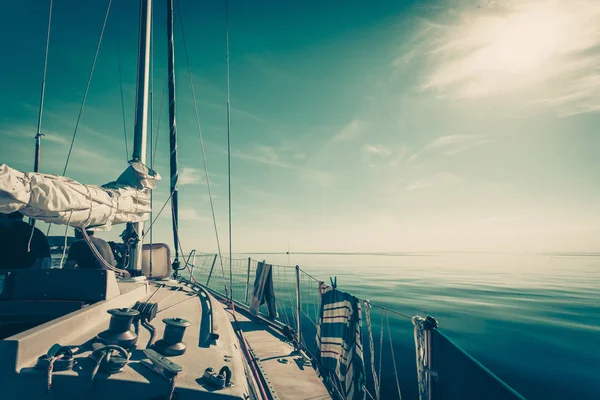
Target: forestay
x=60, y=200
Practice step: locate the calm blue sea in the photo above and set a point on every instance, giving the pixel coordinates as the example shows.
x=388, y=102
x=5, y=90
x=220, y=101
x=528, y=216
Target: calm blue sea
x=534, y=320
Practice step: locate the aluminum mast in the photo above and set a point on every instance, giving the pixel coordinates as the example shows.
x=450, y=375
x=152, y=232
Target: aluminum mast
x=141, y=115
x=173, y=135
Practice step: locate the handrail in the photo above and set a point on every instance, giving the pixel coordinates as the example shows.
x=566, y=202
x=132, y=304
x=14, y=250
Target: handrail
x=214, y=327
x=301, y=305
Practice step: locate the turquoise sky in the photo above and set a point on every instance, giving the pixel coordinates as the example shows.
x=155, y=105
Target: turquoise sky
x=356, y=126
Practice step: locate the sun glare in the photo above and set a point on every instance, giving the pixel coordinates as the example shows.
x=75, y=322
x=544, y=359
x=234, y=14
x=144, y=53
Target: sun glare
x=492, y=51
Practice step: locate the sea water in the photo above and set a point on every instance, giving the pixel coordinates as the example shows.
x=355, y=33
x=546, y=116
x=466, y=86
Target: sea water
x=533, y=320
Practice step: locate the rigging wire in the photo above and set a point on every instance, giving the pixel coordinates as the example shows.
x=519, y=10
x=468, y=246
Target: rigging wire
x=228, y=134
x=210, y=197
x=150, y=230
x=36, y=163
x=43, y=91
x=187, y=266
x=162, y=102
x=122, y=98
x=87, y=88
x=157, y=215
x=393, y=357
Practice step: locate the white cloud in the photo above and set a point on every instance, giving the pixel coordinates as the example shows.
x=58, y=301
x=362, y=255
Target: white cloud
x=377, y=149
x=189, y=214
x=546, y=51
x=351, y=131
x=321, y=178
x=375, y=155
x=50, y=137
x=265, y=155
x=189, y=176
x=451, y=145
x=269, y=155
x=435, y=180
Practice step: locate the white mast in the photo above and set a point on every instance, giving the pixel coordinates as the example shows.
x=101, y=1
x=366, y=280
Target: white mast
x=141, y=113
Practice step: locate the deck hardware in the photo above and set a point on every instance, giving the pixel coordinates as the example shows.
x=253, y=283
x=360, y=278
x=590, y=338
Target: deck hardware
x=119, y=332
x=211, y=377
x=147, y=310
x=220, y=380
x=110, y=362
x=225, y=369
x=161, y=365
x=432, y=373
x=171, y=344
x=60, y=356
x=430, y=323
x=283, y=360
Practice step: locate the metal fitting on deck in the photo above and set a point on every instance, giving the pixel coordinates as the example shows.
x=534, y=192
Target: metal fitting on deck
x=172, y=342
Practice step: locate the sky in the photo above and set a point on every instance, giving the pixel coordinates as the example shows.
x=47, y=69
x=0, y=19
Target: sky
x=398, y=126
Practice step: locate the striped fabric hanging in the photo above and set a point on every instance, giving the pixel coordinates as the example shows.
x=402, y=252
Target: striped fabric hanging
x=340, y=342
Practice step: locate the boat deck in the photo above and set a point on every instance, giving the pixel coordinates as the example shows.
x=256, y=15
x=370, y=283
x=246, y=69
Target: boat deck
x=135, y=381
x=287, y=376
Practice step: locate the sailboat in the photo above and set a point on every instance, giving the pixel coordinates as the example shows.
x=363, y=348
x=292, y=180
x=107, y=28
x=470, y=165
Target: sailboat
x=148, y=332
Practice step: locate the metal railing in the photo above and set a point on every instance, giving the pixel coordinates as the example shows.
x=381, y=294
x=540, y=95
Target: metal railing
x=387, y=336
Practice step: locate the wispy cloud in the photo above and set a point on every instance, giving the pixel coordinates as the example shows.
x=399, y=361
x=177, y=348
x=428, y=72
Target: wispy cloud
x=321, y=178
x=435, y=180
x=189, y=214
x=189, y=176
x=351, y=131
x=377, y=155
x=234, y=111
x=269, y=155
x=55, y=139
x=545, y=49
x=57, y=144
x=451, y=145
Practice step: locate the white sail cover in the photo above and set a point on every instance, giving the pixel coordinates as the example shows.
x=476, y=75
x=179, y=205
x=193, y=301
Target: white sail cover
x=61, y=200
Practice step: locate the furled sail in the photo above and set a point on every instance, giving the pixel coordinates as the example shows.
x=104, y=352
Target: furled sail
x=61, y=200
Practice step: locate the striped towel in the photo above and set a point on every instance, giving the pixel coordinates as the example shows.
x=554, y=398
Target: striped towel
x=339, y=341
